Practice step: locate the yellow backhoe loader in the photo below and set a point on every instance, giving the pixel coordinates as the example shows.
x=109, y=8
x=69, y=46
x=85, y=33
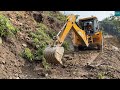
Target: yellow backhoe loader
x=85, y=34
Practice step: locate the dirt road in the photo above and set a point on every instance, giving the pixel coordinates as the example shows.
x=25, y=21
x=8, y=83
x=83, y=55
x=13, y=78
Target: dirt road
x=91, y=64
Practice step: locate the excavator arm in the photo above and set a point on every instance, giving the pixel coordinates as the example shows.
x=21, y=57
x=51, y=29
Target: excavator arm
x=55, y=52
x=70, y=24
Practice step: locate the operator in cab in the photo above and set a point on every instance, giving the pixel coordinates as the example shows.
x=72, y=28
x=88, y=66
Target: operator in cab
x=89, y=29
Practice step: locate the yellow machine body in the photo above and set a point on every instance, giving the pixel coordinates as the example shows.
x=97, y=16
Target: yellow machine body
x=94, y=40
x=80, y=37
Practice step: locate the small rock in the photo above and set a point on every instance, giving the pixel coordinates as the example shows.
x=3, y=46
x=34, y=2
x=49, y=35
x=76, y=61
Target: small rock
x=16, y=75
x=66, y=56
x=10, y=77
x=74, y=73
x=115, y=48
x=0, y=40
x=17, y=78
x=70, y=58
x=20, y=24
x=64, y=66
x=89, y=66
x=37, y=46
x=38, y=69
x=21, y=76
x=27, y=38
x=38, y=73
x=46, y=74
x=3, y=62
x=43, y=74
x=24, y=45
x=2, y=66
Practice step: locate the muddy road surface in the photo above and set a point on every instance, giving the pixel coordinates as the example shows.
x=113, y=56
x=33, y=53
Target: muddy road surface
x=91, y=64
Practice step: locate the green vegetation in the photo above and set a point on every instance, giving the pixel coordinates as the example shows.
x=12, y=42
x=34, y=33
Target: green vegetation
x=66, y=45
x=39, y=53
x=101, y=75
x=40, y=40
x=40, y=37
x=52, y=34
x=45, y=64
x=111, y=25
x=27, y=54
x=6, y=28
x=56, y=14
x=104, y=32
x=61, y=17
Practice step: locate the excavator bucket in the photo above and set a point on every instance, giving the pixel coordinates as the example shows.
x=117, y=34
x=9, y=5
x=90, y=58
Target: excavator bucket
x=54, y=54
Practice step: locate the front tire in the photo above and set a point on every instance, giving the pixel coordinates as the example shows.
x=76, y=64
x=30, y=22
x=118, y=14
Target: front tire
x=100, y=47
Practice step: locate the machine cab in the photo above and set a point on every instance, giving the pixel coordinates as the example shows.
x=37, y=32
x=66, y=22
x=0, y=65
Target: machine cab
x=90, y=25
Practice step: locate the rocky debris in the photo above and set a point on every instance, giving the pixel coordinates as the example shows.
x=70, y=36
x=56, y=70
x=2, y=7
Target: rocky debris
x=68, y=57
x=115, y=48
x=2, y=67
x=43, y=74
x=51, y=19
x=17, y=78
x=24, y=45
x=38, y=68
x=38, y=16
x=89, y=67
x=2, y=61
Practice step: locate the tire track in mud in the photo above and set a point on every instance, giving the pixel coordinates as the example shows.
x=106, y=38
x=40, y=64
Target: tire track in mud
x=74, y=64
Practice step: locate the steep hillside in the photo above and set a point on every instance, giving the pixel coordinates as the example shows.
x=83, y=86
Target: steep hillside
x=24, y=36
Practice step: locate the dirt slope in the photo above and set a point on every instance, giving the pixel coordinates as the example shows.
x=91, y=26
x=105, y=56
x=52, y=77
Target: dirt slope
x=12, y=65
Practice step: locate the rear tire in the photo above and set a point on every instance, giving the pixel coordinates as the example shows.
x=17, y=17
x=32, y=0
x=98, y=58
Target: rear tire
x=81, y=47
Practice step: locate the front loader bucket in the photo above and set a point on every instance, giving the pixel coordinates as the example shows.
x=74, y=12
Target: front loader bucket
x=54, y=54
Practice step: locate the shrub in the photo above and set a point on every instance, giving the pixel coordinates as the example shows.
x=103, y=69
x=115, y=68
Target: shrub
x=28, y=54
x=40, y=40
x=45, y=64
x=6, y=28
x=39, y=53
x=65, y=45
x=101, y=75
